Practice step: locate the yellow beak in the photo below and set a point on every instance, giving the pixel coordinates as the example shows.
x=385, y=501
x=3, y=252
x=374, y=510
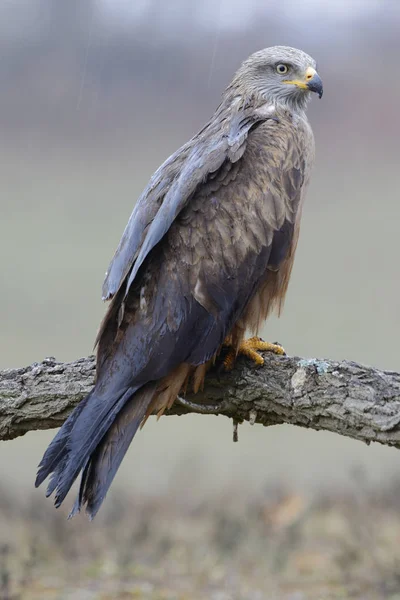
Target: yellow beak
x=311, y=82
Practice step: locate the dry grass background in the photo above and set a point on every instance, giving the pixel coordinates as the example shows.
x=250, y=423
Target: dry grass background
x=278, y=545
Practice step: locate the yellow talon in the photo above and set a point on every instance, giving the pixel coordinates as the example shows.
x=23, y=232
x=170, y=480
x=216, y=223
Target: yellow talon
x=249, y=348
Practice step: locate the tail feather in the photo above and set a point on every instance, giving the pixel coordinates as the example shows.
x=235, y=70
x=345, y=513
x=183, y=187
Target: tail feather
x=55, y=453
x=83, y=440
x=75, y=446
x=106, y=459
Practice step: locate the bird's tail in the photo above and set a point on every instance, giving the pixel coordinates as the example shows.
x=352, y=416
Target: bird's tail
x=94, y=438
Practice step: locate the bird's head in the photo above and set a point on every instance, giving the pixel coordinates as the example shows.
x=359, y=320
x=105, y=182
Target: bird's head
x=281, y=74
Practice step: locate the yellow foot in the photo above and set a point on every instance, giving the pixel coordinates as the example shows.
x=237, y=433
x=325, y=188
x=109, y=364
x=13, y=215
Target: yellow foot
x=249, y=348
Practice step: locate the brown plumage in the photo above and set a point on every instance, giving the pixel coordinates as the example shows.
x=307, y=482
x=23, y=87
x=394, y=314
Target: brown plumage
x=206, y=255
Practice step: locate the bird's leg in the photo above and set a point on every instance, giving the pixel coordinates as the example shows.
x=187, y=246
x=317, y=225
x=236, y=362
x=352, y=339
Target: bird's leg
x=249, y=348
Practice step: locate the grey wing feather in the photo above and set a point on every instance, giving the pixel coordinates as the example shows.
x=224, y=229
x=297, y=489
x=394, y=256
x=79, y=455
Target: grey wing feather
x=144, y=212
x=197, y=166
x=171, y=188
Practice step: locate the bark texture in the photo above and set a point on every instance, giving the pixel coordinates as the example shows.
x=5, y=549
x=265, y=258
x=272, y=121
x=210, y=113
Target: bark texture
x=343, y=397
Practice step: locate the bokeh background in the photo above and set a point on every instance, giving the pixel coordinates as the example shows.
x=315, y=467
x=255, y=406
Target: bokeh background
x=95, y=94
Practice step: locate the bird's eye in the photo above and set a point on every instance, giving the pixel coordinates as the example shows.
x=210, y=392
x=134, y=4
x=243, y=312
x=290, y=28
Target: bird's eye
x=282, y=69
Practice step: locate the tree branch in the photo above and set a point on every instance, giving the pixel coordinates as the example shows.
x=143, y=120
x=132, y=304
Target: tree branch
x=343, y=397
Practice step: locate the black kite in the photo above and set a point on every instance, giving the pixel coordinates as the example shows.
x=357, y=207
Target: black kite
x=207, y=254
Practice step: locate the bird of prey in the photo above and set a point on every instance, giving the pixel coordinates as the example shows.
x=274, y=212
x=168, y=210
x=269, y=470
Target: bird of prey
x=206, y=255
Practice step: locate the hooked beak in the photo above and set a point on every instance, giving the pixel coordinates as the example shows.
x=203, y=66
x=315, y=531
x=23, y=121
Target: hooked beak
x=312, y=82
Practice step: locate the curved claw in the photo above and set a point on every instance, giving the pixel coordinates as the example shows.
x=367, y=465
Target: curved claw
x=249, y=348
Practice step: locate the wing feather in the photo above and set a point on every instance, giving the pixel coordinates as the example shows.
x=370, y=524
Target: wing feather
x=143, y=214
x=173, y=184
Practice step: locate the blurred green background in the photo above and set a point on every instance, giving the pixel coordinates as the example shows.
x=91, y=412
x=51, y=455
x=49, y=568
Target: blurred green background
x=95, y=95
